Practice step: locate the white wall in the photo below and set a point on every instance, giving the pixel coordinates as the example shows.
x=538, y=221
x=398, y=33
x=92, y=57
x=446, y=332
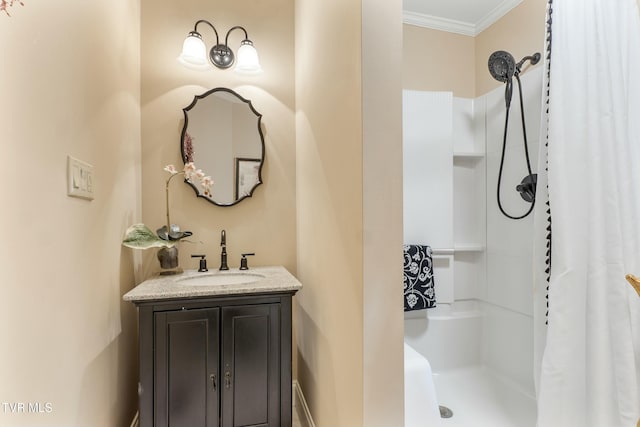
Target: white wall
x=508, y=328
x=444, y=207
x=428, y=168
x=490, y=321
x=444, y=191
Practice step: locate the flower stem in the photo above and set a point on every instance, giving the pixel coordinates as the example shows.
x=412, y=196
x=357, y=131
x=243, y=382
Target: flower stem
x=167, y=202
x=167, y=199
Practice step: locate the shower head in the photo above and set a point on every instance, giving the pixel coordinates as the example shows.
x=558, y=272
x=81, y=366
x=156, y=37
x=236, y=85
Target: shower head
x=534, y=59
x=502, y=66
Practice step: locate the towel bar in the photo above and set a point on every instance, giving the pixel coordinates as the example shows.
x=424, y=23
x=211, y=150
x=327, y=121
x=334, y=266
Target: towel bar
x=442, y=251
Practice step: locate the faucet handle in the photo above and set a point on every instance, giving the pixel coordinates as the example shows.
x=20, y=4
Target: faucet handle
x=203, y=262
x=243, y=261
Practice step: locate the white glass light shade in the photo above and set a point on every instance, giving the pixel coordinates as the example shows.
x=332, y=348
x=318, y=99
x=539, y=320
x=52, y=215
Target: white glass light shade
x=247, y=59
x=194, y=53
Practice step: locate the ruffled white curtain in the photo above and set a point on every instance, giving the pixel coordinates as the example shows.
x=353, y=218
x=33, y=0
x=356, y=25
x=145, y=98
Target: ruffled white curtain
x=588, y=357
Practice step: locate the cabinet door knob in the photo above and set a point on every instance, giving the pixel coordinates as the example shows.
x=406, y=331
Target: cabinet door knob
x=213, y=381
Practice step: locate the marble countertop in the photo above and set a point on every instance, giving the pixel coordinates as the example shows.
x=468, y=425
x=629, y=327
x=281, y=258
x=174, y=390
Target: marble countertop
x=267, y=279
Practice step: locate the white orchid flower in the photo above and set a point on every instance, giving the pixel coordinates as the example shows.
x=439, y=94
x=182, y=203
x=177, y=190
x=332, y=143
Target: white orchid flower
x=207, y=183
x=189, y=170
x=171, y=169
x=141, y=237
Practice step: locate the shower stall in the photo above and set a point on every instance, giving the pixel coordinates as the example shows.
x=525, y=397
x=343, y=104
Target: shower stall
x=523, y=298
x=479, y=337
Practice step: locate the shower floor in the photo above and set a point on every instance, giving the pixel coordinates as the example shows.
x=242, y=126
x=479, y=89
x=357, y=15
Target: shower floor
x=480, y=399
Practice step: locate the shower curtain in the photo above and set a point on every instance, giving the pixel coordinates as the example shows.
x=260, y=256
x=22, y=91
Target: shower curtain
x=588, y=355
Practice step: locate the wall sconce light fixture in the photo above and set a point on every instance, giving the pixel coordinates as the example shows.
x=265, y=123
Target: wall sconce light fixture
x=194, y=52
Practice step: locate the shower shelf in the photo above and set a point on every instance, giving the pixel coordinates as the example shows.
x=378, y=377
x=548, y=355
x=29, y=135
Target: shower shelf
x=459, y=248
x=467, y=155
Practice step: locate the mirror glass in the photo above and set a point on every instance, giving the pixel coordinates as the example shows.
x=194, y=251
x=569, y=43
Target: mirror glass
x=223, y=137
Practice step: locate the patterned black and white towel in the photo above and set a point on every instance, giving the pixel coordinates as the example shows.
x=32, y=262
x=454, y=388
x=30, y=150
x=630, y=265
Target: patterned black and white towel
x=419, y=290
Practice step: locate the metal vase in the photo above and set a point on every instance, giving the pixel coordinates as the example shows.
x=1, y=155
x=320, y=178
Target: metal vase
x=168, y=257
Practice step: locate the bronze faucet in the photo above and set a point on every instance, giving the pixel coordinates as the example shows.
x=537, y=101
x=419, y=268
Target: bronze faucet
x=223, y=254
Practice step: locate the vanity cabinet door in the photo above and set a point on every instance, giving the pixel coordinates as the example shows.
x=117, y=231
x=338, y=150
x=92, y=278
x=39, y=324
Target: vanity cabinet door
x=251, y=366
x=186, y=368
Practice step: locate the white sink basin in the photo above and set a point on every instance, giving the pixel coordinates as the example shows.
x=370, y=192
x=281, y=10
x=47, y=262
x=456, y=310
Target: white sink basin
x=218, y=279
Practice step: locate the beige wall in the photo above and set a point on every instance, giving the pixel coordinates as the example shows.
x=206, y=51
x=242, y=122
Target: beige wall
x=70, y=85
x=265, y=223
x=329, y=209
x=349, y=334
x=441, y=61
x=383, y=326
x=520, y=32
x=436, y=60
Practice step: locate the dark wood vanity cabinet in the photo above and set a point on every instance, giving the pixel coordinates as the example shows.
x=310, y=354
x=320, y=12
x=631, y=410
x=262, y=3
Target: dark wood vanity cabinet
x=216, y=362
x=186, y=364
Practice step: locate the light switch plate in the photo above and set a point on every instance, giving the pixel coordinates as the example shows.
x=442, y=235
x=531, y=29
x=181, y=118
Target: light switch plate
x=79, y=179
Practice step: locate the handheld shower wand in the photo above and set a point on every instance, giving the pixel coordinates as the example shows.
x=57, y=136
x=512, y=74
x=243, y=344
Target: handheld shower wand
x=533, y=59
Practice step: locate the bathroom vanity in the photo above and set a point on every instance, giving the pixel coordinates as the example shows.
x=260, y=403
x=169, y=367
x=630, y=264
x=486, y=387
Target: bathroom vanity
x=215, y=348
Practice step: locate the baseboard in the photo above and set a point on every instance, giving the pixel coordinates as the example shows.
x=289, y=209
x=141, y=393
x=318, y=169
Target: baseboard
x=301, y=407
x=135, y=422
x=299, y=404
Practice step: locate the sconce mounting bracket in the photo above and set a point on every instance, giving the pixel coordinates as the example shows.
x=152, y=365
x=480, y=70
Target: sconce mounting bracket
x=221, y=56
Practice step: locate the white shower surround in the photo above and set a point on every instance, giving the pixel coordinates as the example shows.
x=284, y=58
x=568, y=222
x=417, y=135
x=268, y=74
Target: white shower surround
x=485, y=314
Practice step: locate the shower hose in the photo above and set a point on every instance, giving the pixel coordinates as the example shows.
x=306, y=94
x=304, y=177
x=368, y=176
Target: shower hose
x=504, y=148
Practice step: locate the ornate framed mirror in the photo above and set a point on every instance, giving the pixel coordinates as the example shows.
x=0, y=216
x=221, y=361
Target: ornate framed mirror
x=222, y=135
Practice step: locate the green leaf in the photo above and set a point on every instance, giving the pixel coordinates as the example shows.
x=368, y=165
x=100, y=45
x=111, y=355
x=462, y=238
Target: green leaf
x=138, y=236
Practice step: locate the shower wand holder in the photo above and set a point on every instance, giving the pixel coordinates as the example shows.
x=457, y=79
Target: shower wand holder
x=527, y=187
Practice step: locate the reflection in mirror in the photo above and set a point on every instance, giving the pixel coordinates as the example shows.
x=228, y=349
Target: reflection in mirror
x=222, y=135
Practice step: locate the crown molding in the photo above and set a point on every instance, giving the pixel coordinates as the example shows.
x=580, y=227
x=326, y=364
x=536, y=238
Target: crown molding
x=437, y=23
x=460, y=27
